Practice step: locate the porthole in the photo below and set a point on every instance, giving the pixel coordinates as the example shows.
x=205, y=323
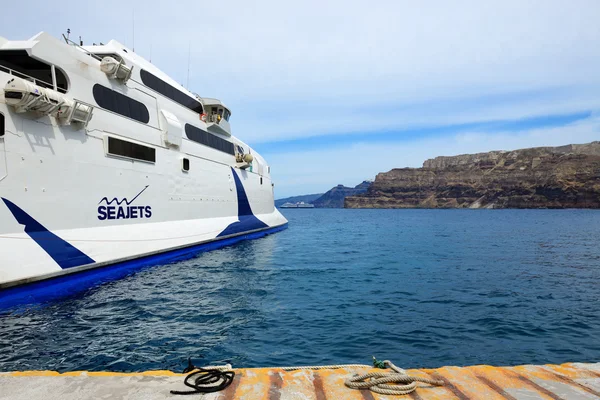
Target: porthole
x=185, y=164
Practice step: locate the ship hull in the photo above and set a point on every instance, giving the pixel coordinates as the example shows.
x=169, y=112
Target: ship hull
x=46, y=232
x=129, y=258
x=66, y=282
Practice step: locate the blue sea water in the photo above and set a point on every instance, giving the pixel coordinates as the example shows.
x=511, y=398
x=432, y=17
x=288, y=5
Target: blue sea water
x=423, y=288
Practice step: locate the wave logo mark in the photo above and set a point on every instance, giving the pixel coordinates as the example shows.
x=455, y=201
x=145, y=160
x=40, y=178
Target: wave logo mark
x=122, y=209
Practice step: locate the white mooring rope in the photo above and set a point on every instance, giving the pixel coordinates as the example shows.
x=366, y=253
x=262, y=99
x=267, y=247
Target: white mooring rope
x=335, y=366
x=379, y=382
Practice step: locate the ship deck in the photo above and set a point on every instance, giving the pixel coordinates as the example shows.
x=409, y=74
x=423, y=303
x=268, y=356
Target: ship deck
x=566, y=381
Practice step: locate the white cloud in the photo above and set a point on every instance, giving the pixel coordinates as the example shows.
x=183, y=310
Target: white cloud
x=290, y=69
x=369, y=117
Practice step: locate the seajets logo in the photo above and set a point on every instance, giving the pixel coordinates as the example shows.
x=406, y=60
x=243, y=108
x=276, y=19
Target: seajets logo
x=122, y=209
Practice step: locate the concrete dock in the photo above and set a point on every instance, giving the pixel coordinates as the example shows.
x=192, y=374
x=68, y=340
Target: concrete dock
x=571, y=381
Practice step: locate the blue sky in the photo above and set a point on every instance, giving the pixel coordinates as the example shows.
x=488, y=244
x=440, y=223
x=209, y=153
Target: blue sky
x=338, y=91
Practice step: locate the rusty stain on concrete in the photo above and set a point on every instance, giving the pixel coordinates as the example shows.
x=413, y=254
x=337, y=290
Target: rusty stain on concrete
x=566, y=381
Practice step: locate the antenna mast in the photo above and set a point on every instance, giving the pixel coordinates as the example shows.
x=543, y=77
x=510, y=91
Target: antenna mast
x=133, y=28
x=189, y=55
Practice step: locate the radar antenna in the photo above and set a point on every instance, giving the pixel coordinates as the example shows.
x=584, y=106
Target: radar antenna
x=68, y=34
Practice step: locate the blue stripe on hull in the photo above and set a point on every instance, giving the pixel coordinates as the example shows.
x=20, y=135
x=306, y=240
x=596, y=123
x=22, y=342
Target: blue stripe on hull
x=71, y=284
x=247, y=220
x=63, y=253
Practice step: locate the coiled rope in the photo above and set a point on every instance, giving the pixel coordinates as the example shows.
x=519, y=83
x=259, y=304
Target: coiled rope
x=206, y=379
x=379, y=382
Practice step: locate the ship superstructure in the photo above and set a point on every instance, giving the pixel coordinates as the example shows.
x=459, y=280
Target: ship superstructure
x=104, y=158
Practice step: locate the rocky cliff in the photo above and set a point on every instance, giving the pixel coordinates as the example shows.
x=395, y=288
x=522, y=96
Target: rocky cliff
x=542, y=177
x=334, y=198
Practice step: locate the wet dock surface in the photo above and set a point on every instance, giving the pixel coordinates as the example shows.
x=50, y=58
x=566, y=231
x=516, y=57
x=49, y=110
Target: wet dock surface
x=530, y=382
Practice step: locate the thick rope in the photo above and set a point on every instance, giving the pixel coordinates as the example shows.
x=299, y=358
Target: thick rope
x=206, y=379
x=379, y=382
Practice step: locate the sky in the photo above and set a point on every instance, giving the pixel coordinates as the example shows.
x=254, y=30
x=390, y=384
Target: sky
x=334, y=92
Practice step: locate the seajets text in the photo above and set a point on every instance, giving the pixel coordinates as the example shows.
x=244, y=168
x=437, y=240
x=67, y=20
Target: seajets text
x=120, y=212
x=123, y=209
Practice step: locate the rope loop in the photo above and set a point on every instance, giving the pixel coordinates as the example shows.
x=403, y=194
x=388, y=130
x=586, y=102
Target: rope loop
x=379, y=382
x=206, y=380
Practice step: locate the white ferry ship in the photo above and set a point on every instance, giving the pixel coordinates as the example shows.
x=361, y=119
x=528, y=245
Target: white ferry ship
x=299, y=204
x=104, y=159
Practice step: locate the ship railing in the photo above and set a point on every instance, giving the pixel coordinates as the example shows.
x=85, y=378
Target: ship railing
x=36, y=81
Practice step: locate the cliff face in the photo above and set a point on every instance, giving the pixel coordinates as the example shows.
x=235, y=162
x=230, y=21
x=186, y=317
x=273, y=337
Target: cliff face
x=335, y=197
x=542, y=177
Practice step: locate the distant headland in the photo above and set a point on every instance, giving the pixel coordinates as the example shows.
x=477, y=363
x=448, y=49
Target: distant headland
x=542, y=177
x=333, y=198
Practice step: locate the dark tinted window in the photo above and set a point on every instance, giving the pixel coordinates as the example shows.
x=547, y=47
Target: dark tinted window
x=24, y=66
x=124, y=148
x=208, y=139
x=1, y=124
x=169, y=91
x=186, y=164
x=121, y=104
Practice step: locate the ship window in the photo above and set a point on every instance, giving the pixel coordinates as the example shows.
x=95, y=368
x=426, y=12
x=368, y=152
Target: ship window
x=208, y=139
x=169, y=91
x=121, y=104
x=227, y=115
x=185, y=164
x=19, y=64
x=123, y=148
x=1, y=124
x=261, y=180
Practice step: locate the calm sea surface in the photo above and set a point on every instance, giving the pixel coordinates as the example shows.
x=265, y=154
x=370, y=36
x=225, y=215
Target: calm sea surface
x=423, y=288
